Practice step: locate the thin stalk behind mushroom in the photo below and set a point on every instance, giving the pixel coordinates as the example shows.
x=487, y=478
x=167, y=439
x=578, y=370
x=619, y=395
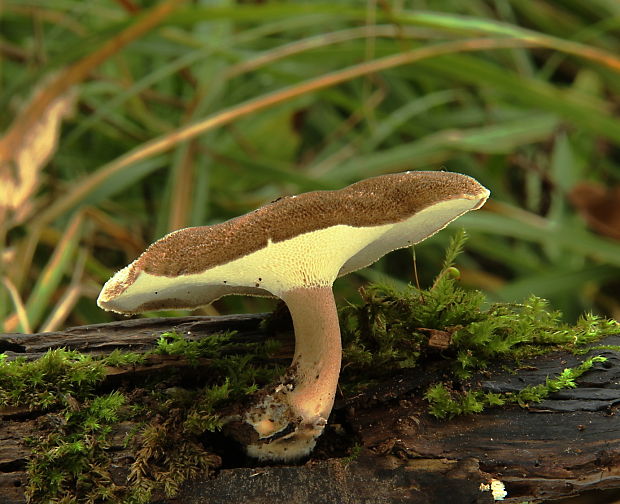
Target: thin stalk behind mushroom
x=294, y=248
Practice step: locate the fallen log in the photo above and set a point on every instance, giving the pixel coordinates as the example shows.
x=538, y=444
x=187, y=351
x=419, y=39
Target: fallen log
x=381, y=445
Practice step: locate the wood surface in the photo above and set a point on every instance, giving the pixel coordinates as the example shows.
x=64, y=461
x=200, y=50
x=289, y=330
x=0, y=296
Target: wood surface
x=565, y=446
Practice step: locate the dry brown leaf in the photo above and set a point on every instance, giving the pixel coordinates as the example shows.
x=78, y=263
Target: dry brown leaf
x=49, y=104
x=599, y=206
x=22, y=157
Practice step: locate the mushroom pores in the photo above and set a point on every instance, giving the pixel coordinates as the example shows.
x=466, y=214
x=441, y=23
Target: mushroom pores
x=294, y=248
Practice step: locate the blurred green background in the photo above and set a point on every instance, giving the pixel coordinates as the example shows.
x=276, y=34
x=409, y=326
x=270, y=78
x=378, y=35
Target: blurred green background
x=123, y=120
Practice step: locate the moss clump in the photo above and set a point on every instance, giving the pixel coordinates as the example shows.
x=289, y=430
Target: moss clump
x=48, y=381
x=446, y=403
x=171, y=343
x=168, y=448
x=71, y=458
x=390, y=330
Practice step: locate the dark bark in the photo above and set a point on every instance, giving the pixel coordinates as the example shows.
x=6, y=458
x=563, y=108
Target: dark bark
x=564, y=446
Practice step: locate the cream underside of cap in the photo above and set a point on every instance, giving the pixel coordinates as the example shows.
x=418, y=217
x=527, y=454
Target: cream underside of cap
x=312, y=259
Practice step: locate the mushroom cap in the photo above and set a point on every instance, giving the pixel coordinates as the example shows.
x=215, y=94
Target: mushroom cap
x=295, y=241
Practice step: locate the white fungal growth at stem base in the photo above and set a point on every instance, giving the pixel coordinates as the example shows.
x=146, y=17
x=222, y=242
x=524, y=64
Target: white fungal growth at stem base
x=497, y=489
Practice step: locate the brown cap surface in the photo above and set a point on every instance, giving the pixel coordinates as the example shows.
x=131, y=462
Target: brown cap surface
x=371, y=202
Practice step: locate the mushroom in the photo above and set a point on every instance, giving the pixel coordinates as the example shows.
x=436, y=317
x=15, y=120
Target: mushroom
x=294, y=248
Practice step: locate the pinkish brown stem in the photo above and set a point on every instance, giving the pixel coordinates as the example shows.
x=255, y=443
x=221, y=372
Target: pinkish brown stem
x=292, y=417
x=318, y=350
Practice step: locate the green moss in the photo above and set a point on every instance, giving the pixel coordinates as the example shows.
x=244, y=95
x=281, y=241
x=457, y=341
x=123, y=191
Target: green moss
x=446, y=403
x=70, y=456
x=356, y=450
x=46, y=382
x=71, y=459
x=390, y=330
x=565, y=380
x=117, y=358
x=168, y=449
x=172, y=343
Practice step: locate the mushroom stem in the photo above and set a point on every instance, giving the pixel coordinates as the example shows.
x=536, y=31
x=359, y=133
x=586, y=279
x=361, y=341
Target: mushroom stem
x=291, y=418
x=318, y=350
